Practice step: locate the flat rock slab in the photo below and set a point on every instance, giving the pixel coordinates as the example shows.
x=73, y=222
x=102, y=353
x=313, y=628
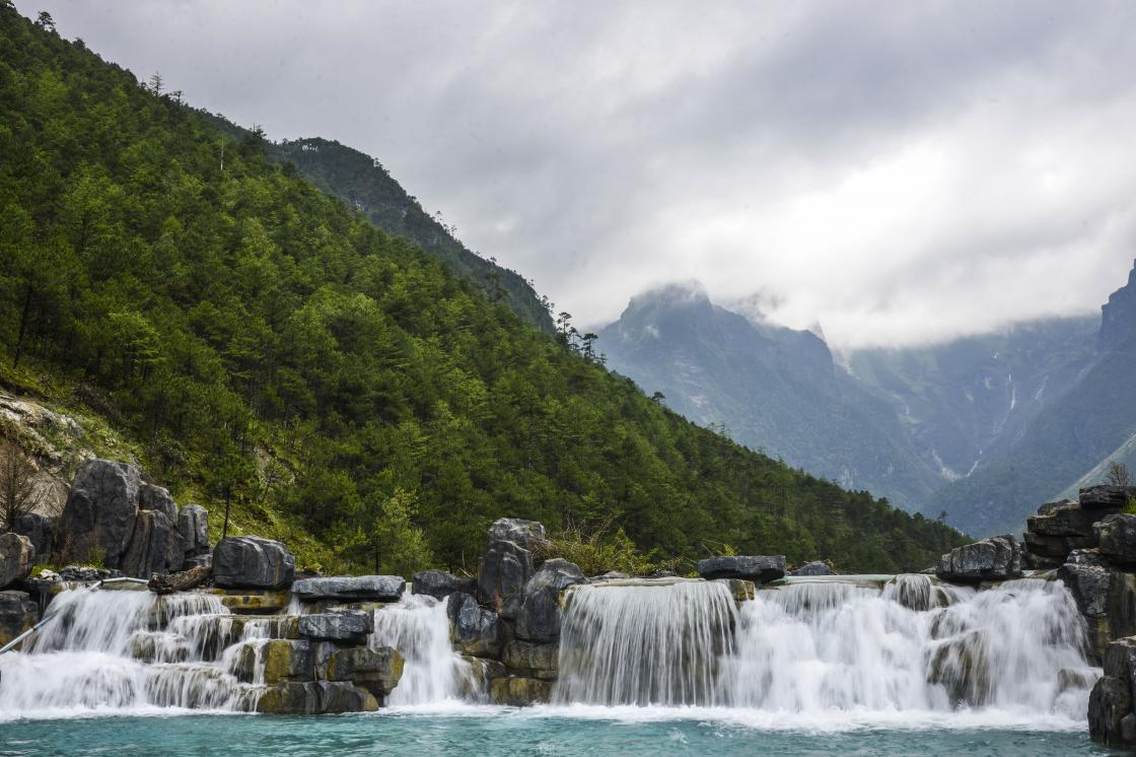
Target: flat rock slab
x=759, y=568
x=373, y=588
x=343, y=627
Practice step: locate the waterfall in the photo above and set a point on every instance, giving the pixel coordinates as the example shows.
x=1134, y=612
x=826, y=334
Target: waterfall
x=645, y=643
x=828, y=646
x=128, y=650
x=419, y=629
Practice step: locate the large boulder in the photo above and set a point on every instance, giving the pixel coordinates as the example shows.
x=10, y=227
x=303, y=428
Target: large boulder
x=250, y=562
x=757, y=568
x=352, y=627
x=994, y=559
x=1064, y=518
x=539, y=616
x=1117, y=536
x=151, y=497
x=439, y=584
x=39, y=529
x=474, y=630
x=1111, y=718
x=18, y=613
x=350, y=588
x=376, y=670
x=98, y=518
x=17, y=555
x=524, y=533
x=505, y=569
x=193, y=525
x=155, y=547
x=814, y=568
x=1106, y=497
x=1089, y=585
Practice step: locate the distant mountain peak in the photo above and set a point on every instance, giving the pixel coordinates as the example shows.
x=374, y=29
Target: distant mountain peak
x=1118, y=317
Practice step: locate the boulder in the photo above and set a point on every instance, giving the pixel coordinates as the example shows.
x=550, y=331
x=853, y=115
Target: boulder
x=534, y=660
x=741, y=590
x=474, y=630
x=519, y=692
x=376, y=670
x=1089, y=585
x=193, y=525
x=18, y=613
x=1106, y=496
x=168, y=583
x=155, y=546
x=539, y=616
x=351, y=627
x=814, y=568
x=151, y=497
x=279, y=661
x=254, y=602
x=315, y=698
x=39, y=529
x=1064, y=518
x=252, y=562
x=440, y=584
x=524, y=533
x=1056, y=547
x=993, y=559
x=505, y=569
x=350, y=588
x=17, y=555
x=1117, y=536
x=757, y=568
x=98, y=518
x=1111, y=719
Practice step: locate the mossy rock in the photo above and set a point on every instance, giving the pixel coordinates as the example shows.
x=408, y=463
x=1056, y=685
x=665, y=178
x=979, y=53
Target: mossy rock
x=515, y=691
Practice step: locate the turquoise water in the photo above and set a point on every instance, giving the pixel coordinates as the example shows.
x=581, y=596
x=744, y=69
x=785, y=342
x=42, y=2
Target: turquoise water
x=486, y=732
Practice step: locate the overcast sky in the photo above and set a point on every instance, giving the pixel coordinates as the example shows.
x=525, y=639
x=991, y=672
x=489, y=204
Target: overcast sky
x=896, y=171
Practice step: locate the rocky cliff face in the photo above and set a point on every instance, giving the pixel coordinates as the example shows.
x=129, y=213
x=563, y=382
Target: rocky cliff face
x=1118, y=318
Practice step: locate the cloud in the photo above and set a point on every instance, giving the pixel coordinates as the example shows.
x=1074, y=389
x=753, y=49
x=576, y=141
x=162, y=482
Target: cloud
x=898, y=172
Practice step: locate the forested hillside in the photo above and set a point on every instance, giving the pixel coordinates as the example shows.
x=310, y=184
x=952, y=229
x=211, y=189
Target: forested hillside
x=267, y=346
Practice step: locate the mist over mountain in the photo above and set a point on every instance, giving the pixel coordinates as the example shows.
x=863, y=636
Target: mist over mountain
x=978, y=430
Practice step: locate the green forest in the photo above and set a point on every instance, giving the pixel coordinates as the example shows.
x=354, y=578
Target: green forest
x=269, y=348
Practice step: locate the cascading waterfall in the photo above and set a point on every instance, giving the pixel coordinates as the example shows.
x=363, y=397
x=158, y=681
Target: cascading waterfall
x=419, y=629
x=646, y=643
x=828, y=645
x=129, y=650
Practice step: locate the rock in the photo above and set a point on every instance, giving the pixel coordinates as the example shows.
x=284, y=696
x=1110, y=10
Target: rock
x=84, y=573
x=1110, y=704
x=474, y=687
x=351, y=588
x=279, y=661
x=252, y=562
x=1106, y=496
x=17, y=555
x=153, y=546
x=98, y=518
x=505, y=569
x=193, y=525
x=993, y=559
x=1085, y=557
x=255, y=602
x=324, y=697
x=199, y=561
x=18, y=613
x=539, y=616
x=184, y=581
x=814, y=568
x=440, y=584
x=741, y=590
x=1056, y=546
x=528, y=534
x=757, y=568
x=352, y=627
x=158, y=498
x=519, y=692
x=1089, y=585
x=961, y=665
x=39, y=529
x=1117, y=536
x=376, y=670
x=533, y=660
x=1065, y=518
x=474, y=630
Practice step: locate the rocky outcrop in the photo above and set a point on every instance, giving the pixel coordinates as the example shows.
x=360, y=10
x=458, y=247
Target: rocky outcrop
x=524, y=533
x=1116, y=534
x=474, y=630
x=151, y=497
x=814, y=568
x=1106, y=497
x=757, y=568
x=350, y=588
x=98, y=518
x=1111, y=718
x=39, y=529
x=376, y=670
x=349, y=627
x=439, y=584
x=18, y=613
x=193, y=525
x=252, y=562
x=17, y=555
x=155, y=546
x=316, y=698
x=1061, y=528
x=505, y=569
x=539, y=616
x=994, y=559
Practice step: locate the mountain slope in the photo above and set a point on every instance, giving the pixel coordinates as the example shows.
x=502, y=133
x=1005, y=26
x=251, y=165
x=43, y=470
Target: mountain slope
x=773, y=389
x=266, y=346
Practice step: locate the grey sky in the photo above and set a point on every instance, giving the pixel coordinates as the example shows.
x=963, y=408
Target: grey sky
x=899, y=172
